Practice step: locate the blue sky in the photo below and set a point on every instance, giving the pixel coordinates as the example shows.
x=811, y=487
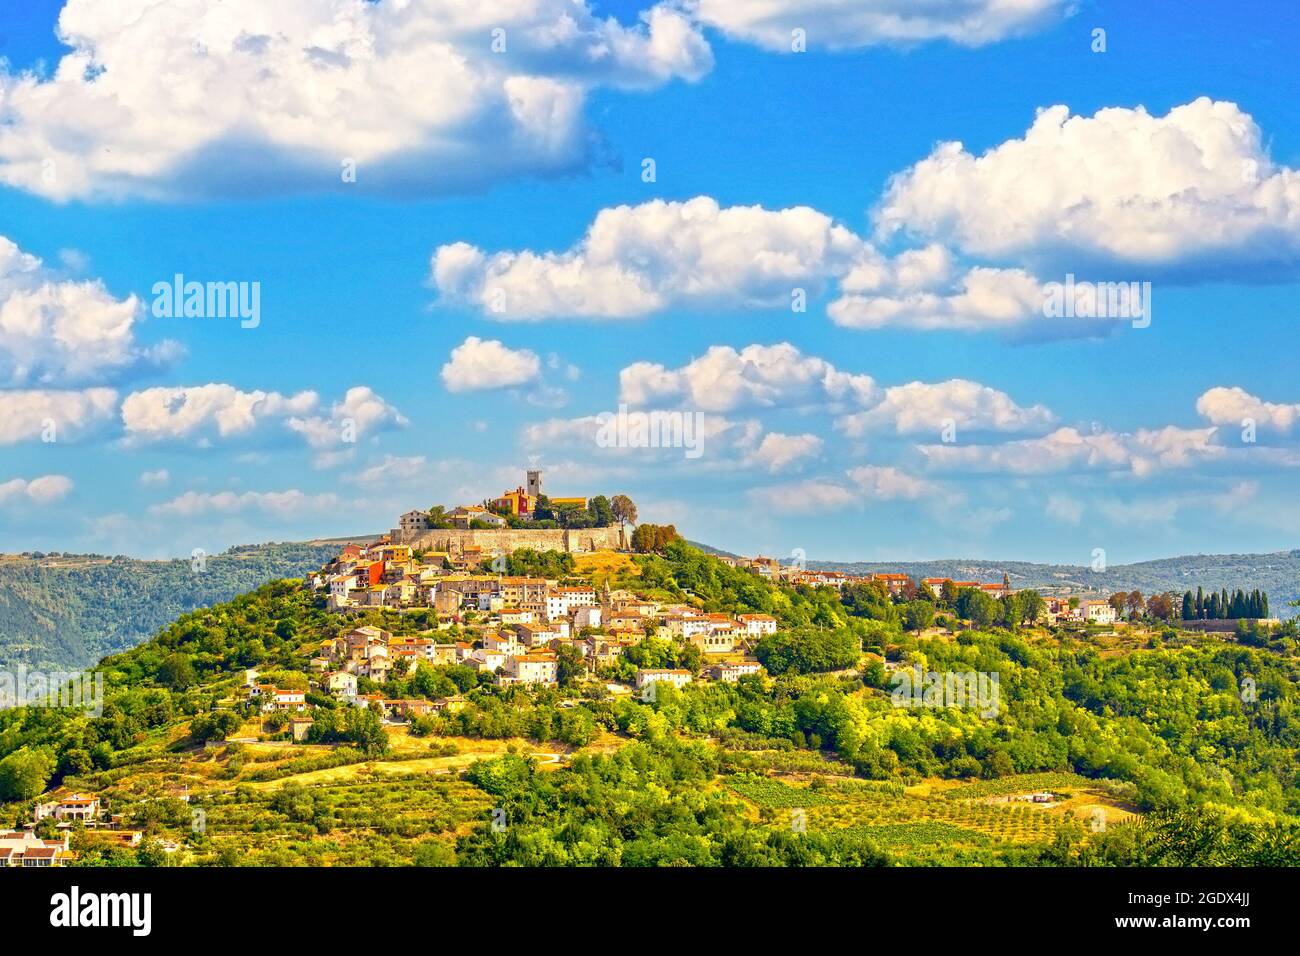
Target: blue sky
x=824, y=427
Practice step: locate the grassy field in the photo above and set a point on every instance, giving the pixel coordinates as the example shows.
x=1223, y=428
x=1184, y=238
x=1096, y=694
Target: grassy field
x=937, y=820
x=605, y=564
x=283, y=804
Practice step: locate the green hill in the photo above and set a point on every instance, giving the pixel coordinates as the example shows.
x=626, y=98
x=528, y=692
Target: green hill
x=60, y=612
x=1156, y=739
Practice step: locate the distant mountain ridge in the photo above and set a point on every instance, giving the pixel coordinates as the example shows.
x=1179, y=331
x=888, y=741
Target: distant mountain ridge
x=1278, y=573
x=66, y=611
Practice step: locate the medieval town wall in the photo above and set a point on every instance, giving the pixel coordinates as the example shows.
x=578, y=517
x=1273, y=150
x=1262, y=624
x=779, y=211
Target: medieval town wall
x=505, y=540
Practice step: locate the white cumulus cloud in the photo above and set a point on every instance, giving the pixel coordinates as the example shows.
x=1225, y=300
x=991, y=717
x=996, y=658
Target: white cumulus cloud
x=926, y=289
x=41, y=491
x=479, y=364
x=1140, y=453
x=1194, y=187
x=205, y=413
x=778, y=451
x=361, y=412
x=635, y=260
x=886, y=483
x=724, y=379
x=804, y=497
x=1232, y=406
x=188, y=98
x=55, y=331
x=30, y=415
x=920, y=407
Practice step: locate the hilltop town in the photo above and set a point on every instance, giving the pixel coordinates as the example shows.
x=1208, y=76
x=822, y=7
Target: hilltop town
x=375, y=709
x=518, y=628
x=513, y=626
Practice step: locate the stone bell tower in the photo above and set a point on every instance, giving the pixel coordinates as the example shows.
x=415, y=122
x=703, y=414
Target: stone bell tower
x=534, y=483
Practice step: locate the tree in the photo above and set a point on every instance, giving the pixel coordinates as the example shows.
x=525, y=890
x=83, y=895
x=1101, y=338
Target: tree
x=1032, y=606
x=1135, y=603
x=1161, y=606
x=214, y=726
x=623, y=509
x=601, y=511
x=25, y=773
x=653, y=538
x=918, y=615
x=998, y=764
x=527, y=562
x=1189, y=606
x=176, y=672
x=977, y=607
x=570, y=665
x=434, y=852
x=75, y=762
x=808, y=650
x=1011, y=610
x=870, y=600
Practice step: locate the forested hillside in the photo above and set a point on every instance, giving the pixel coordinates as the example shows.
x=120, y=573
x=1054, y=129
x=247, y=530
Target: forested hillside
x=68, y=611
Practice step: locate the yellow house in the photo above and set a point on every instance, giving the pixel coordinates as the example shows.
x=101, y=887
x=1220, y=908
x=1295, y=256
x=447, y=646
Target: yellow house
x=520, y=502
x=517, y=502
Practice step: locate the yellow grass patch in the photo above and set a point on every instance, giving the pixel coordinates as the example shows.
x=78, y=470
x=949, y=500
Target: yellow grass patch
x=470, y=750
x=605, y=563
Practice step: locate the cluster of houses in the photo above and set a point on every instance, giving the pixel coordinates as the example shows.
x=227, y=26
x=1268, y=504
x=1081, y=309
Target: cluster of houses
x=1060, y=610
x=389, y=575
x=512, y=627
x=1057, y=610
x=895, y=583
x=358, y=647
x=25, y=848
x=518, y=642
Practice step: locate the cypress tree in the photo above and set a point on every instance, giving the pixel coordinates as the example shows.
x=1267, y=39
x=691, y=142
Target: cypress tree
x=1189, y=606
x=1200, y=603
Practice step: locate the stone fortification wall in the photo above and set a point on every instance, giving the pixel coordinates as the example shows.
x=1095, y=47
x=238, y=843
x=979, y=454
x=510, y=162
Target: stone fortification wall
x=575, y=540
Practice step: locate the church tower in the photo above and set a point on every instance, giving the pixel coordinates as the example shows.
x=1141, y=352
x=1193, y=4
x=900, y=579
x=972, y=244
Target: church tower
x=534, y=484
